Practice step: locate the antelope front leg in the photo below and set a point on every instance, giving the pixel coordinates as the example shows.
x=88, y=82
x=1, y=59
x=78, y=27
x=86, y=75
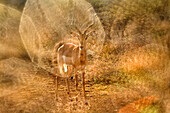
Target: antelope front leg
x=68, y=86
x=84, y=93
x=76, y=78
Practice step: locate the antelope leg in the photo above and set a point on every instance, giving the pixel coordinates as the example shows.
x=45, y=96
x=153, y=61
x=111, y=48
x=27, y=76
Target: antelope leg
x=76, y=78
x=67, y=79
x=68, y=86
x=83, y=77
x=56, y=87
x=83, y=74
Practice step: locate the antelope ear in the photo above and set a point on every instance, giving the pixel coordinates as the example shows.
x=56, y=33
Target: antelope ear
x=73, y=34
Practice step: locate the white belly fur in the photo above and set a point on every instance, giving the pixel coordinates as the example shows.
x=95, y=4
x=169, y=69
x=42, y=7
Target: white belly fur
x=67, y=62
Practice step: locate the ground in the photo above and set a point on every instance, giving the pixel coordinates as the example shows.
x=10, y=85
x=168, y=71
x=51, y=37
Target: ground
x=27, y=88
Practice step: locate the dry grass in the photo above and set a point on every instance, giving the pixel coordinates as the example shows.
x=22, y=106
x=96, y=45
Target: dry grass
x=32, y=90
x=119, y=77
x=143, y=70
x=114, y=79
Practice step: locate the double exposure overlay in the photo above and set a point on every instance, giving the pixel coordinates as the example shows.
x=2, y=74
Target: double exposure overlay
x=121, y=47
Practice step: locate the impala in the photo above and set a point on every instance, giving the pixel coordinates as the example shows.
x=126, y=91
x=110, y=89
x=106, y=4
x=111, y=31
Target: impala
x=70, y=56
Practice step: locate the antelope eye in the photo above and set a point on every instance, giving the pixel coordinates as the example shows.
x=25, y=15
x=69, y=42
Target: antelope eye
x=86, y=38
x=81, y=47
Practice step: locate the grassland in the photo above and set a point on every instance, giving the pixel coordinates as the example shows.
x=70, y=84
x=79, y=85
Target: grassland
x=125, y=76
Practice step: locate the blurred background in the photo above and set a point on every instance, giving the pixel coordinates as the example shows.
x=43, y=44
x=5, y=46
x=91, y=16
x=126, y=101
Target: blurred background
x=128, y=55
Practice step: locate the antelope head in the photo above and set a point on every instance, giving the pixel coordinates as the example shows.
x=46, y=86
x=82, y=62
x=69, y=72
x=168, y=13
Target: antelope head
x=82, y=36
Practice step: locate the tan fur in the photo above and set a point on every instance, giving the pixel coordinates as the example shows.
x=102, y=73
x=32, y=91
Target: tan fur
x=72, y=56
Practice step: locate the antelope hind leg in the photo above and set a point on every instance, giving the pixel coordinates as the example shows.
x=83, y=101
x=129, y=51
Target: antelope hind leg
x=56, y=88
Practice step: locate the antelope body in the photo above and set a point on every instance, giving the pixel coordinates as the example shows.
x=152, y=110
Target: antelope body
x=72, y=56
